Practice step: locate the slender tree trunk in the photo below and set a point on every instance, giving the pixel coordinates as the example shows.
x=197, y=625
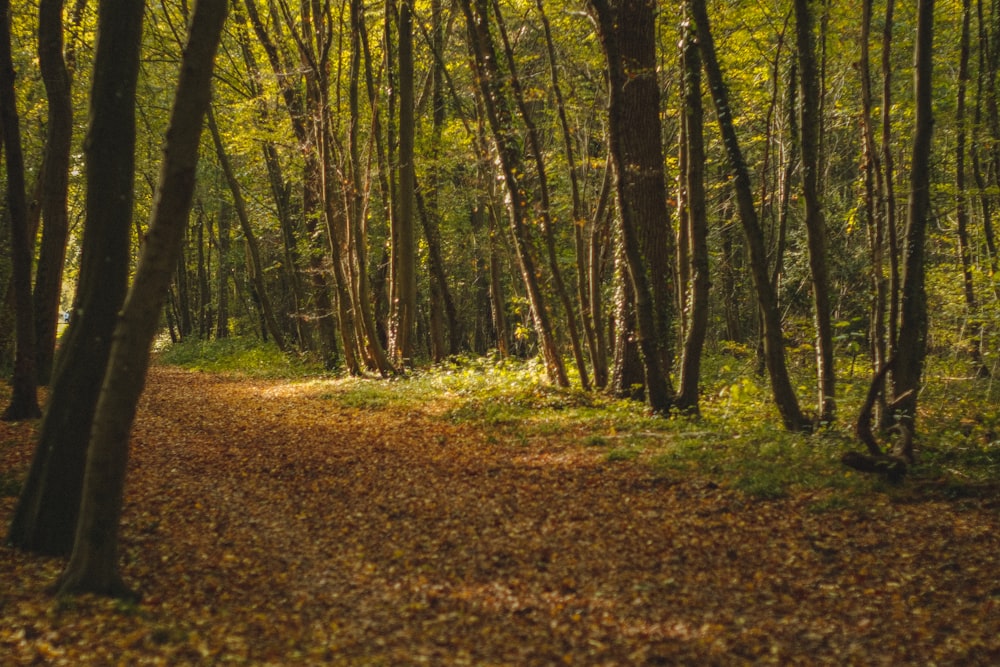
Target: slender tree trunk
x=222, y=275
x=911, y=348
x=24, y=390
x=961, y=211
x=984, y=87
x=93, y=566
x=443, y=316
x=46, y=514
x=184, y=325
x=598, y=260
x=875, y=210
x=205, y=318
x=352, y=236
x=809, y=144
x=627, y=372
x=501, y=121
x=890, y=188
x=545, y=211
x=961, y=199
x=774, y=352
x=404, y=249
x=598, y=356
x=256, y=266
x=55, y=175
x=696, y=301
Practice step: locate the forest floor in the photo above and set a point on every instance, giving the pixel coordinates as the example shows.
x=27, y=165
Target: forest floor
x=266, y=522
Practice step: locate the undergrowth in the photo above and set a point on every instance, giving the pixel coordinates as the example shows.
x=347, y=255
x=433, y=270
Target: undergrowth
x=737, y=442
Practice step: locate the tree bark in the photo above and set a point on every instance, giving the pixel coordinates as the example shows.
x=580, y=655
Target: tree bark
x=404, y=249
x=256, y=266
x=93, y=566
x=911, y=348
x=55, y=174
x=697, y=225
x=24, y=390
x=501, y=121
x=627, y=32
x=774, y=352
x=222, y=271
x=810, y=123
x=46, y=514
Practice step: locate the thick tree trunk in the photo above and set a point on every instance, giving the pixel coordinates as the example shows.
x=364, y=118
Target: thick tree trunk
x=24, y=390
x=774, y=352
x=628, y=35
x=47, y=510
x=93, y=566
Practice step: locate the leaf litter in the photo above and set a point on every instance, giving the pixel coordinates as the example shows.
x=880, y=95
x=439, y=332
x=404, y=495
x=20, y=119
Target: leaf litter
x=267, y=524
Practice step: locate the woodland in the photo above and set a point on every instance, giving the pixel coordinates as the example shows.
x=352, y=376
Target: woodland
x=500, y=332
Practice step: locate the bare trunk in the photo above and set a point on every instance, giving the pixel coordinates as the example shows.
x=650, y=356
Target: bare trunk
x=93, y=566
x=774, y=352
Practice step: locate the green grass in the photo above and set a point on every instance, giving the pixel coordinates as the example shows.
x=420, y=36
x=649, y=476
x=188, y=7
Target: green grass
x=239, y=356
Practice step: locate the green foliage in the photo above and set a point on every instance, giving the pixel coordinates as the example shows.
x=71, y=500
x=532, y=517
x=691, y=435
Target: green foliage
x=241, y=356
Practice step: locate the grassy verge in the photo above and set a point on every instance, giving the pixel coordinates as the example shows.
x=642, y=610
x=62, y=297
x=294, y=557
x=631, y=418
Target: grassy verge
x=738, y=442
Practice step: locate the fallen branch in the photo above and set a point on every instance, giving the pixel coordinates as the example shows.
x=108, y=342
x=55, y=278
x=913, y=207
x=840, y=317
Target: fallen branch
x=891, y=467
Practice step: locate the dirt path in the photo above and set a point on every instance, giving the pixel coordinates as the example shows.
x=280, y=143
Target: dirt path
x=266, y=524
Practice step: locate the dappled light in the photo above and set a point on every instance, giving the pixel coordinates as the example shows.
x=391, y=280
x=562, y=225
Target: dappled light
x=290, y=522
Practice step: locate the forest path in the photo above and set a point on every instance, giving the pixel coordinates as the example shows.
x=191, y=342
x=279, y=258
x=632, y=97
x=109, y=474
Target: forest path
x=268, y=524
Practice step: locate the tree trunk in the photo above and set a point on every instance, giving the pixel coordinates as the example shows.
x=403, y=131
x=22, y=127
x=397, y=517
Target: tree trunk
x=256, y=266
x=810, y=123
x=890, y=188
x=93, y=566
x=404, y=254
x=697, y=226
x=911, y=348
x=598, y=356
x=774, y=352
x=46, y=514
x=545, y=212
x=628, y=35
x=627, y=370
x=24, y=390
x=348, y=235
x=985, y=87
x=875, y=210
x=223, y=269
x=55, y=174
x=498, y=111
